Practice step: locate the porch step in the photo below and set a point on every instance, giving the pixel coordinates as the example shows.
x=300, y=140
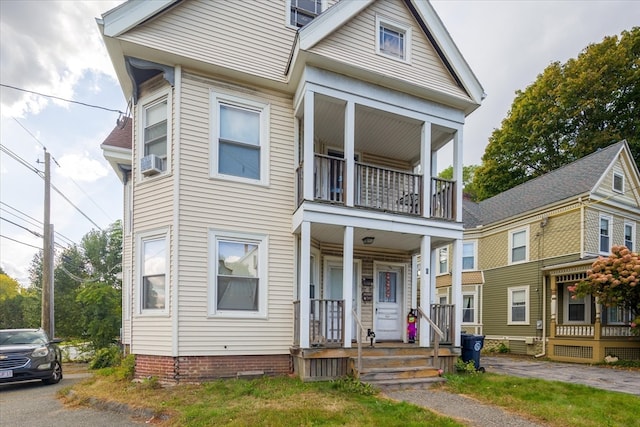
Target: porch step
x=393, y=372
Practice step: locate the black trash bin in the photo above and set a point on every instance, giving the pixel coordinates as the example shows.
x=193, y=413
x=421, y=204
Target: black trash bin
x=471, y=346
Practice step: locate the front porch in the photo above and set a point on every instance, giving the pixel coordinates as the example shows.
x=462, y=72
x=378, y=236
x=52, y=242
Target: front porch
x=591, y=343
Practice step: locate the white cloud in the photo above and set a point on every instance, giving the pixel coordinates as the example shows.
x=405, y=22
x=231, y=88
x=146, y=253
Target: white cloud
x=81, y=167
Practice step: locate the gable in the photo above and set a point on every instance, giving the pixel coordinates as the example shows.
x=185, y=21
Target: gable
x=626, y=173
x=354, y=44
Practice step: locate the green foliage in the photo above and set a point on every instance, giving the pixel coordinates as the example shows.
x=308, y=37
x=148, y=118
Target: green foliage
x=355, y=386
x=20, y=311
x=465, y=367
x=570, y=111
x=9, y=287
x=127, y=367
x=106, y=357
x=502, y=348
x=150, y=383
x=101, y=311
x=468, y=173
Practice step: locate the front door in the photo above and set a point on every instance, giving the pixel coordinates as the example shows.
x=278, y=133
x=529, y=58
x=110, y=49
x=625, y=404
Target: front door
x=389, y=304
x=333, y=291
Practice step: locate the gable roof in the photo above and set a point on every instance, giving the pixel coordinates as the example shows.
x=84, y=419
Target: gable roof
x=340, y=13
x=572, y=180
x=116, y=148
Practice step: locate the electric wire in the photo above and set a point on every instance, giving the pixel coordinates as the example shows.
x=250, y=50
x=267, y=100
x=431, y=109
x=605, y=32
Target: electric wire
x=33, y=221
x=18, y=241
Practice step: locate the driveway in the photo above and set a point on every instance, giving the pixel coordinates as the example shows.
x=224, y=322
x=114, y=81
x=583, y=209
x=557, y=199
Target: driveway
x=31, y=403
x=606, y=378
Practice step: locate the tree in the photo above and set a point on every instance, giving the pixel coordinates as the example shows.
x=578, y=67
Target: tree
x=468, y=172
x=9, y=287
x=570, y=111
x=615, y=281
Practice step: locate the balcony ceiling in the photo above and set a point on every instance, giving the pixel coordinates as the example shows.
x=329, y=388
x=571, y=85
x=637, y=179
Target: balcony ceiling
x=377, y=132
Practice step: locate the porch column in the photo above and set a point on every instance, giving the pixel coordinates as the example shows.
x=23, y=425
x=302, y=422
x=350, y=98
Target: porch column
x=597, y=327
x=554, y=306
x=425, y=164
x=425, y=290
x=457, y=174
x=305, y=274
x=308, y=151
x=456, y=288
x=349, y=151
x=347, y=287
x=414, y=281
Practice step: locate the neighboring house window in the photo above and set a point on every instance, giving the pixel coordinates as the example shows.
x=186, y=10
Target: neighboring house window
x=518, y=248
x=469, y=256
x=238, y=274
x=393, y=39
x=303, y=11
x=155, y=132
x=240, y=139
x=576, y=309
x=618, y=316
x=443, y=260
x=518, y=305
x=468, y=308
x=443, y=300
x=629, y=233
x=605, y=234
x=618, y=182
x=153, y=272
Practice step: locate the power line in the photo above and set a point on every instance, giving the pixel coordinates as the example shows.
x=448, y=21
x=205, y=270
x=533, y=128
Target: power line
x=35, y=233
x=63, y=99
x=18, y=241
x=33, y=221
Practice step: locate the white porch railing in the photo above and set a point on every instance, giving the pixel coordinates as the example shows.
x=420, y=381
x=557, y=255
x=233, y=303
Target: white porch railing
x=616, y=331
x=575, y=330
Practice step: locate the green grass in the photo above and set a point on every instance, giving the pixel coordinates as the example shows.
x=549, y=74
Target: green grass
x=555, y=403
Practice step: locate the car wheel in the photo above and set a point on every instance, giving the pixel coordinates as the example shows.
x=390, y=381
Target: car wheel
x=56, y=376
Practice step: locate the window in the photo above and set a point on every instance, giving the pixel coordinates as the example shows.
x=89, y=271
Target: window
x=618, y=316
x=443, y=260
x=240, y=139
x=303, y=11
x=153, y=273
x=629, y=233
x=155, y=130
x=238, y=275
x=576, y=309
x=605, y=234
x=518, y=248
x=469, y=256
x=393, y=39
x=618, y=182
x=468, y=308
x=518, y=305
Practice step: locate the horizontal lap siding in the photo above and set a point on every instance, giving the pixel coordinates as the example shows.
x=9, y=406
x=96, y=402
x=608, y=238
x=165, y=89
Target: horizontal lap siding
x=228, y=34
x=354, y=44
x=212, y=203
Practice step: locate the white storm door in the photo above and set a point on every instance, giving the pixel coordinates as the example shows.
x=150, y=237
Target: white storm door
x=334, y=292
x=388, y=305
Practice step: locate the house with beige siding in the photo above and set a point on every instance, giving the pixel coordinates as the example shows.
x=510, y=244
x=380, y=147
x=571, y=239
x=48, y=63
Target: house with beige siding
x=532, y=242
x=280, y=185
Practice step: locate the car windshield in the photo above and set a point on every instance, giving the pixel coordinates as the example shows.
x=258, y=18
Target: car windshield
x=22, y=337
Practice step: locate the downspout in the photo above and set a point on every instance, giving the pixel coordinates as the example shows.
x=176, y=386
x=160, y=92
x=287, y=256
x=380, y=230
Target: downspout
x=176, y=136
x=544, y=318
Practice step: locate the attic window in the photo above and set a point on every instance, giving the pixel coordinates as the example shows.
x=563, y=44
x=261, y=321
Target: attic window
x=393, y=39
x=618, y=182
x=303, y=11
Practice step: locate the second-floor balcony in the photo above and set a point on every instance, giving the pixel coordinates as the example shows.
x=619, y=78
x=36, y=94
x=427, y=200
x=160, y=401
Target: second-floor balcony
x=379, y=188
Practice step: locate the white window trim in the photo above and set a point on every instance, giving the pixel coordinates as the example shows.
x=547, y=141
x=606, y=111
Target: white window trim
x=633, y=235
x=475, y=254
x=287, y=13
x=613, y=180
x=263, y=289
x=148, y=102
x=510, y=292
x=566, y=297
x=152, y=235
x=526, y=245
x=475, y=307
x=263, y=108
x=609, y=218
x=396, y=26
x=438, y=272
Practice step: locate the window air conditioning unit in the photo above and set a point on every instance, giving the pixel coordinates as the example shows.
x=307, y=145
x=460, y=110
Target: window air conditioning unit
x=151, y=165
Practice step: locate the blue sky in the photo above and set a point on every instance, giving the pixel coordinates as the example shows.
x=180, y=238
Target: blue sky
x=54, y=47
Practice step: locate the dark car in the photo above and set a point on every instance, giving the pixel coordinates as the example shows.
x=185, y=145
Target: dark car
x=29, y=354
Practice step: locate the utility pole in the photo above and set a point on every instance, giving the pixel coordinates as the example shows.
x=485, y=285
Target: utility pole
x=46, y=319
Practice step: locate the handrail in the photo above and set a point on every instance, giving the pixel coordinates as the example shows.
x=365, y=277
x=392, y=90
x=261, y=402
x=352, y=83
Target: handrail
x=359, y=338
x=436, y=342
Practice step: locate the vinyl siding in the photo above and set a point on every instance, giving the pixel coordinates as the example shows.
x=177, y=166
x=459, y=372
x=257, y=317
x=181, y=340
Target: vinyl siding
x=152, y=210
x=605, y=189
x=592, y=229
x=253, y=40
x=355, y=44
x=208, y=203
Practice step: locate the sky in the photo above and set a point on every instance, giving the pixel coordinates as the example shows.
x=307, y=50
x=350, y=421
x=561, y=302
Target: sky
x=54, y=48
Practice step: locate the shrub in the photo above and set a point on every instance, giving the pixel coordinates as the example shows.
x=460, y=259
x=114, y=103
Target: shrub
x=466, y=367
x=106, y=357
x=355, y=386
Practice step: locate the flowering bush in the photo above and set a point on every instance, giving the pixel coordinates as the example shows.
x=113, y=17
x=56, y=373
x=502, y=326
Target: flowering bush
x=615, y=281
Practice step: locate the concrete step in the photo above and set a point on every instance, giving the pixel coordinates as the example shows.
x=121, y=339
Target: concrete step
x=407, y=383
x=371, y=362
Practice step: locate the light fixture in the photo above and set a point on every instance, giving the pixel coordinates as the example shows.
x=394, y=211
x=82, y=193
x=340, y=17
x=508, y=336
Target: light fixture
x=368, y=240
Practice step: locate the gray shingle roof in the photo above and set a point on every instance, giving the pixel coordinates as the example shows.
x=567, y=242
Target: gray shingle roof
x=563, y=183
